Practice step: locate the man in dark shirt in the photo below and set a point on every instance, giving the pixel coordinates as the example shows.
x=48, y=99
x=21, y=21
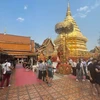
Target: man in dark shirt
x=92, y=73
x=0, y=72
x=97, y=80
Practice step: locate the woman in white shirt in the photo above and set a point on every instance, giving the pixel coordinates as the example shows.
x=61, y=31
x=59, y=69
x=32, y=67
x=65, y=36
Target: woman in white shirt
x=7, y=69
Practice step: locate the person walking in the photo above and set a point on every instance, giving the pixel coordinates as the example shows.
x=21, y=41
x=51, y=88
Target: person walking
x=7, y=70
x=92, y=75
x=85, y=68
x=97, y=77
x=41, y=70
x=73, y=65
x=44, y=71
x=49, y=71
x=79, y=71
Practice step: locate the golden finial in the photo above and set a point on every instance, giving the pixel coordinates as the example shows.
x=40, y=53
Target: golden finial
x=68, y=10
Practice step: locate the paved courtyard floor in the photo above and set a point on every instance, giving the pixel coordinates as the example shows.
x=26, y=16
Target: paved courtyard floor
x=63, y=88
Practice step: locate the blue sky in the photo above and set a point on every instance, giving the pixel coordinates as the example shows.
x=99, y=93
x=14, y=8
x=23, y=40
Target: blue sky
x=37, y=18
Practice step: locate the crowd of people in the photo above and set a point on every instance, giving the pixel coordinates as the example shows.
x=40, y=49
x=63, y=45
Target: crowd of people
x=89, y=70
x=82, y=69
x=45, y=70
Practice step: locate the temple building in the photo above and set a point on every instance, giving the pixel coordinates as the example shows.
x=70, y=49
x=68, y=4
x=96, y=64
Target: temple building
x=75, y=40
x=46, y=49
x=17, y=46
x=95, y=52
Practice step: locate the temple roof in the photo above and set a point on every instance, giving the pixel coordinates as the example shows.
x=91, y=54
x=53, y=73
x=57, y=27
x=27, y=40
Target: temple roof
x=96, y=49
x=16, y=45
x=14, y=39
x=45, y=44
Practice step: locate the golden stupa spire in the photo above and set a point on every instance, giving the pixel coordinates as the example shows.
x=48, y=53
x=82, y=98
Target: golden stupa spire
x=68, y=10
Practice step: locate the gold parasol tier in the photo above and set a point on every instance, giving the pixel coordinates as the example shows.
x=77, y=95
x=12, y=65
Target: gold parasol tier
x=65, y=27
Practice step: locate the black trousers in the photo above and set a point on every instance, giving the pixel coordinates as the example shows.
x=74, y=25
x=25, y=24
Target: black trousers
x=74, y=71
x=42, y=74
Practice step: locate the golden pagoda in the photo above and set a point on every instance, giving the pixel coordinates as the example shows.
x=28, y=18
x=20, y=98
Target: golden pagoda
x=75, y=41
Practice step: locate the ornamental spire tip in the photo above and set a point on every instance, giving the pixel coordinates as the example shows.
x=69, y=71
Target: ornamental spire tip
x=68, y=10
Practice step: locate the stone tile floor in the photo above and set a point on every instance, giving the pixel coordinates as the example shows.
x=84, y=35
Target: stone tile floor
x=63, y=88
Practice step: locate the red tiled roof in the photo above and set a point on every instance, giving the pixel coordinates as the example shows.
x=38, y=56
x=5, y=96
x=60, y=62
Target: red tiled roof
x=14, y=38
x=17, y=45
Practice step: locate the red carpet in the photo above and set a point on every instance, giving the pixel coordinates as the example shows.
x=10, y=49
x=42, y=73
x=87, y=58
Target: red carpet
x=23, y=77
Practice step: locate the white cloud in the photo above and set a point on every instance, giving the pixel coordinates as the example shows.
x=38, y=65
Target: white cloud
x=20, y=19
x=85, y=8
x=82, y=12
x=88, y=11
x=25, y=7
x=97, y=3
x=82, y=15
